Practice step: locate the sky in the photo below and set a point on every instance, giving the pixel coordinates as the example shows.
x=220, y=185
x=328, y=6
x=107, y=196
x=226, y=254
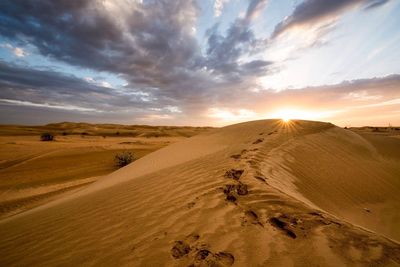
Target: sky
x=200, y=63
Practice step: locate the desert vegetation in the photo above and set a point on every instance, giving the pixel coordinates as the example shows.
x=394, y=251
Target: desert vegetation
x=46, y=137
x=124, y=158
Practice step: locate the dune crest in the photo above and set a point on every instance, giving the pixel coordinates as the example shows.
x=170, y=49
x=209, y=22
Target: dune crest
x=262, y=193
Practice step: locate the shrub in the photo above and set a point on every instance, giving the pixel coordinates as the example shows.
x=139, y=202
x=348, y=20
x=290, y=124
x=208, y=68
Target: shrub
x=46, y=137
x=124, y=158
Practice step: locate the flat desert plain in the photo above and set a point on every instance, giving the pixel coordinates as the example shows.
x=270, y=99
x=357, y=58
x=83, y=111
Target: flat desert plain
x=261, y=193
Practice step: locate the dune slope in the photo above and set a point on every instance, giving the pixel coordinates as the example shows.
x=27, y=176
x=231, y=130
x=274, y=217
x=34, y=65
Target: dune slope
x=261, y=193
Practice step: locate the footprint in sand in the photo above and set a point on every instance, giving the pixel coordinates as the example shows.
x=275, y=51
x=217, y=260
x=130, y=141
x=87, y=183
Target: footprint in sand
x=191, y=205
x=251, y=217
x=281, y=224
x=222, y=259
x=258, y=141
x=260, y=178
x=234, y=174
x=241, y=189
x=236, y=156
x=205, y=257
x=241, y=155
x=231, y=190
x=253, y=163
x=200, y=255
x=182, y=247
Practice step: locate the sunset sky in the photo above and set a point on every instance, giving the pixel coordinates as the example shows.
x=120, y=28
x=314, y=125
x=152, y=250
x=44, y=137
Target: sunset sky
x=205, y=62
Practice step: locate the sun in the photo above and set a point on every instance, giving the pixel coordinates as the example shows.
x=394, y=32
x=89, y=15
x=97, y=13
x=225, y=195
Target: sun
x=286, y=115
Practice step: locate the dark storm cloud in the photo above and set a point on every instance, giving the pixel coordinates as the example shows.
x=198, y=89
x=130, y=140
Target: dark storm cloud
x=14, y=76
x=67, y=30
x=46, y=87
x=312, y=11
x=149, y=44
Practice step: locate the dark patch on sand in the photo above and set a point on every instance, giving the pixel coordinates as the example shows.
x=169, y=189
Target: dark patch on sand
x=180, y=249
x=258, y=141
x=283, y=226
x=234, y=174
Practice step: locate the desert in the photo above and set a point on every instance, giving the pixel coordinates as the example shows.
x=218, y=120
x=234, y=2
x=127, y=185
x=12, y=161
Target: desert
x=33, y=172
x=246, y=194
x=200, y=133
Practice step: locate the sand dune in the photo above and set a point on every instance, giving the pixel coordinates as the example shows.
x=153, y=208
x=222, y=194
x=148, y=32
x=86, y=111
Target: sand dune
x=33, y=172
x=261, y=193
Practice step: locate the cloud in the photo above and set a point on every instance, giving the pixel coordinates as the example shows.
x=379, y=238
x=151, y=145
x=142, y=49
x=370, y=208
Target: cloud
x=149, y=43
x=380, y=104
x=106, y=84
x=231, y=115
x=347, y=103
x=17, y=51
x=46, y=105
x=37, y=91
x=375, y=3
x=218, y=6
x=98, y=82
x=152, y=45
x=226, y=54
x=40, y=96
x=315, y=12
x=254, y=9
x=362, y=96
x=46, y=88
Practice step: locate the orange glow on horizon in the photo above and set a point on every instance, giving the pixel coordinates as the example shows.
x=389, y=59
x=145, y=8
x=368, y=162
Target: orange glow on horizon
x=288, y=114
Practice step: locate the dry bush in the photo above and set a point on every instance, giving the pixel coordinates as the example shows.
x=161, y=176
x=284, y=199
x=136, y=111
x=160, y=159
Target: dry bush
x=46, y=137
x=124, y=158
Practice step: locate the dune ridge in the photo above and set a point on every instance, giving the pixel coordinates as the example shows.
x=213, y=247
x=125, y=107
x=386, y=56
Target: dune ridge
x=261, y=193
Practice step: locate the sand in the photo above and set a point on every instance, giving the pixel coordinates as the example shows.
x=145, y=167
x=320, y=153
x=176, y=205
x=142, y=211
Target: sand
x=261, y=193
x=33, y=172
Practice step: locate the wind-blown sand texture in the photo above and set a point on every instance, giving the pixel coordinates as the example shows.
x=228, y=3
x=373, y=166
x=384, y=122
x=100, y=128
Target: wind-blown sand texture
x=33, y=172
x=261, y=193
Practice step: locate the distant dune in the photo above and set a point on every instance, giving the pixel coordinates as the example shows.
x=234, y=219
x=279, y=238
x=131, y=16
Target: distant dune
x=74, y=128
x=262, y=193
